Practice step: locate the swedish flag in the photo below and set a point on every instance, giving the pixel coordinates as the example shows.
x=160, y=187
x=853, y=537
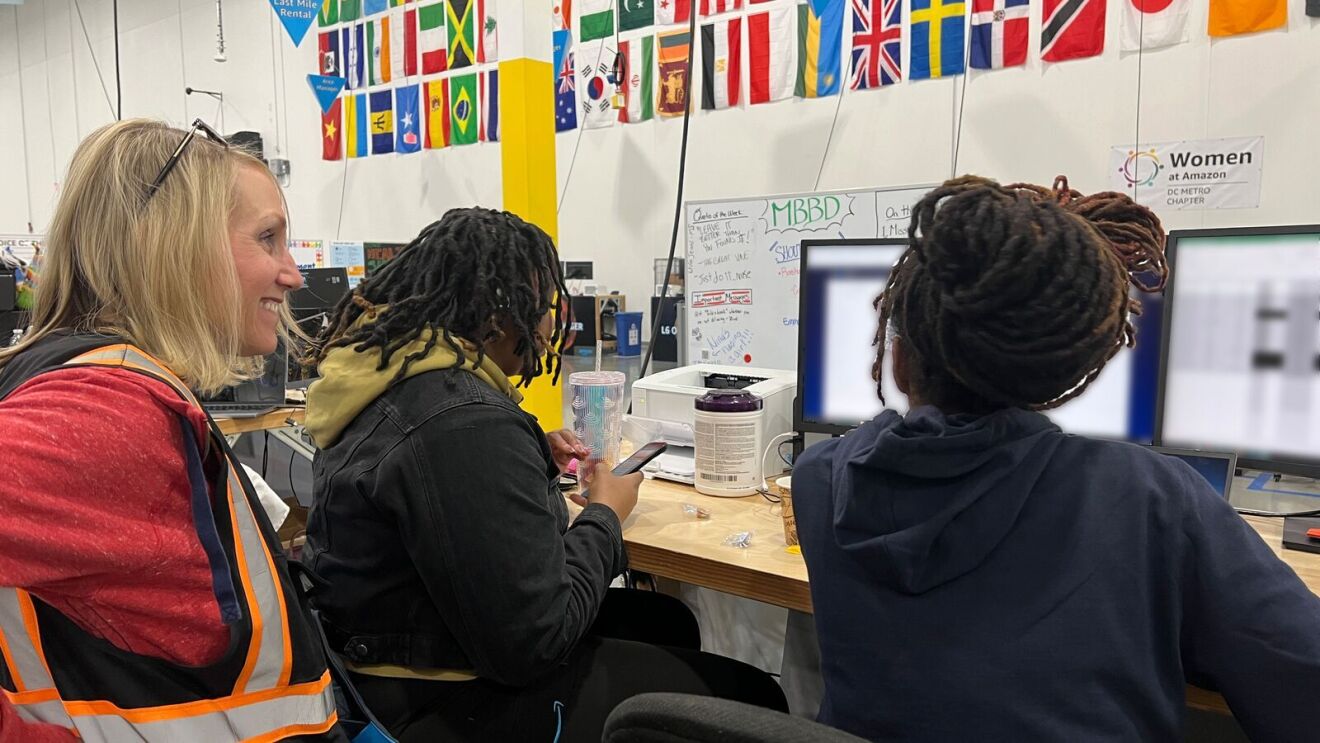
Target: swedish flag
x=939, y=32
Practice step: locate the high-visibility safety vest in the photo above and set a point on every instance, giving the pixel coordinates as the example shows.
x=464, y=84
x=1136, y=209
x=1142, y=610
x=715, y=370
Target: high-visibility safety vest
x=272, y=684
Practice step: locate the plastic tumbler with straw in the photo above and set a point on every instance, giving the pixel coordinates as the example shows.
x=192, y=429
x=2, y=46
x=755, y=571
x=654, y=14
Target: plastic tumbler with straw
x=598, y=412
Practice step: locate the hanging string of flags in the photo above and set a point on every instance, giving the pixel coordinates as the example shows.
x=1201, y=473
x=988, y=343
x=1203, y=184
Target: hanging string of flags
x=796, y=48
x=622, y=65
x=415, y=75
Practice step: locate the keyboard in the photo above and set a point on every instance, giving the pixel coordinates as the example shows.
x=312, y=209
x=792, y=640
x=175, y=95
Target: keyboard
x=239, y=409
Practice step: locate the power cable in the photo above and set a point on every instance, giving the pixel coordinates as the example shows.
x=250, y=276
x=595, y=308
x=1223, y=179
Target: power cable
x=678, y=201
x=22, y=124
x=119, y=87
x=91, y=51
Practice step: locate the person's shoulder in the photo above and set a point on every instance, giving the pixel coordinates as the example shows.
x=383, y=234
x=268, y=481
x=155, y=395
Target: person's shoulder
x=105, y=398
x=80, y=386
x=449, y=399
x=1112, y=452
x=819, y=454
x=1124, y=469
x=824, y=453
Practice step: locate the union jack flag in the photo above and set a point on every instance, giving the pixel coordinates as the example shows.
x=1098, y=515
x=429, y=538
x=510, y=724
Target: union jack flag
x=567, y=77
x=876, y=41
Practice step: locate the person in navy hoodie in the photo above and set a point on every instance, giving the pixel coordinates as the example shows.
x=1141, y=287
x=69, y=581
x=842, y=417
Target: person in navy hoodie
x=977, y=574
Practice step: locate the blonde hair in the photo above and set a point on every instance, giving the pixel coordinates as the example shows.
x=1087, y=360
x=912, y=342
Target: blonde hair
x=160, y=272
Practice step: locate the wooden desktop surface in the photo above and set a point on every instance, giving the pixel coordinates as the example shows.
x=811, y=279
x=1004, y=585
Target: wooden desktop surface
x=278, y=418
x=664, y=541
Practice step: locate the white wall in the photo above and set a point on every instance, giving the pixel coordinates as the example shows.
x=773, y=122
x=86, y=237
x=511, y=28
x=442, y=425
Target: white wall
x=166, y=45
x=1024, y=124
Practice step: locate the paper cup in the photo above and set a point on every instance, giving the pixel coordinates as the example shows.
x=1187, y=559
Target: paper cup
x=783, y=487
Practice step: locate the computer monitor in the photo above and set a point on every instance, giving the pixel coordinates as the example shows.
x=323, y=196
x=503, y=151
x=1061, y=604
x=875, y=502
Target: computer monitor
x=1240, y=368
x=311, y=307
x=322, y=289
x=1217, y=468
x=8, y=290
x=266, y=390
x=578, y=271
x=839, y=282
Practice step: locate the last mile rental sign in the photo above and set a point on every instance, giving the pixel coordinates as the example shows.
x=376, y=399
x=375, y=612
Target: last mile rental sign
x=1191, y=174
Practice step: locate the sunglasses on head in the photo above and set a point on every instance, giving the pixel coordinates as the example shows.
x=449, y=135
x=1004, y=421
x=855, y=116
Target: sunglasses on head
x=198, y=125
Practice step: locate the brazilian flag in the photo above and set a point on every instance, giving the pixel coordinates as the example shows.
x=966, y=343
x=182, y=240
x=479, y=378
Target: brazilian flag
x=463, y=109
x=329, y=14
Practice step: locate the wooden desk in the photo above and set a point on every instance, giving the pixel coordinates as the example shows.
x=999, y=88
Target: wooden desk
x=278, y=418
x=664, y=541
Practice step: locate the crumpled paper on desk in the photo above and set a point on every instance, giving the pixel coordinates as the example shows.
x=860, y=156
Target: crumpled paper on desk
x=276, y=509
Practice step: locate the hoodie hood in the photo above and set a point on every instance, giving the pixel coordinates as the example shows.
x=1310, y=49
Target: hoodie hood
x=352, y=380
x=923, y=499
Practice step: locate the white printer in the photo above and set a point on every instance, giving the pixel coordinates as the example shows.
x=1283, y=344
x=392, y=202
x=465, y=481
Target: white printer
x=664, y=405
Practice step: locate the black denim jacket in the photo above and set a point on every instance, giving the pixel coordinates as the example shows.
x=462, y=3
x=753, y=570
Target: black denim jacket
x=444, y=542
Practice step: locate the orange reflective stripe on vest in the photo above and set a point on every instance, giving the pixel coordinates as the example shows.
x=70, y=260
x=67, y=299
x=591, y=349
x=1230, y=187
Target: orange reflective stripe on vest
x=27, y=665
x=306, y=709
x=270, y=660
x=263, y=705
x=133, y=358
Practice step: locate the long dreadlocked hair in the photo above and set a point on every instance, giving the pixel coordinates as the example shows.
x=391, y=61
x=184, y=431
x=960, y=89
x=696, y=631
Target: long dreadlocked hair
x=1017, y=296
x=463, y=276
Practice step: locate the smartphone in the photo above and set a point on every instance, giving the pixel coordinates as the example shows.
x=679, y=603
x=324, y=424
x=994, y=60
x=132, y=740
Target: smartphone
x=639, y=459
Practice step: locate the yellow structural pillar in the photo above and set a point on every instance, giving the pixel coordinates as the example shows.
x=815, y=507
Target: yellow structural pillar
x=527, y=146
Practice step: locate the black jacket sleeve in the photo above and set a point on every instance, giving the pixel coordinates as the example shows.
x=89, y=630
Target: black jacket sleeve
x=517, y=592
x=1251, y=628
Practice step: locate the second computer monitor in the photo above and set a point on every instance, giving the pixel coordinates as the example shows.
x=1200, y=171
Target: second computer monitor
x=837, y=325
x=1242, y=360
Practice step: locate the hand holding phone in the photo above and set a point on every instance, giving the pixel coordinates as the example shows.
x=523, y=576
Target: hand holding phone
x=617, y=488
x=640, y=459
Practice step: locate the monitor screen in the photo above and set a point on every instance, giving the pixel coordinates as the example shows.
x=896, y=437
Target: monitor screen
x=268, y=388
x=8, y=290
x=321, y=290
x=578, y=270
x=1242, y=361
x=837, y=324
x=1217, y=469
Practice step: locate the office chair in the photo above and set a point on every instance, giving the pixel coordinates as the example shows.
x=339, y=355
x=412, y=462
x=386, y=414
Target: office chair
x=684, y=718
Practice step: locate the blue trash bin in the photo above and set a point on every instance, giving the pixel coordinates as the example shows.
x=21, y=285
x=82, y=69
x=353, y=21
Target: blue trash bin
x=629, y=329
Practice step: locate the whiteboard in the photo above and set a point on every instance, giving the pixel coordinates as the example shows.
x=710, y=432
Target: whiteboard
x=743, y=262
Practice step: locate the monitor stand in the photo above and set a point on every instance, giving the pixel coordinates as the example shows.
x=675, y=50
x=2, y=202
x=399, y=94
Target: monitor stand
x=1294, y=534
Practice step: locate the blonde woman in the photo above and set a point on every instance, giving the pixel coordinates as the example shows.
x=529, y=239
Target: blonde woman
x=142, y=591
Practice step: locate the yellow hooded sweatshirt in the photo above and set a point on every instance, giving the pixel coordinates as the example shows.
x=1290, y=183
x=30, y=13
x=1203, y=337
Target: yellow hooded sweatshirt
x=350, y=380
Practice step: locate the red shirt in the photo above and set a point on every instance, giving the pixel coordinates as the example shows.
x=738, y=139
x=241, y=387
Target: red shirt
x=95, y=517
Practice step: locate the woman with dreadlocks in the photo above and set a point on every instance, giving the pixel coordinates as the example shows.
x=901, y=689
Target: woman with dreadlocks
x=465, y=604
x=979, y=575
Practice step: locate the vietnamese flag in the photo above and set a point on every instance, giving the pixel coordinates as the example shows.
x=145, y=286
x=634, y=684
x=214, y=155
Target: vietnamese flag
x=331, y=136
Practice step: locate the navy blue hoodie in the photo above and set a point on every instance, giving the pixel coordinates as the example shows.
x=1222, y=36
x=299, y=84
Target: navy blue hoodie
x=994, y=579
